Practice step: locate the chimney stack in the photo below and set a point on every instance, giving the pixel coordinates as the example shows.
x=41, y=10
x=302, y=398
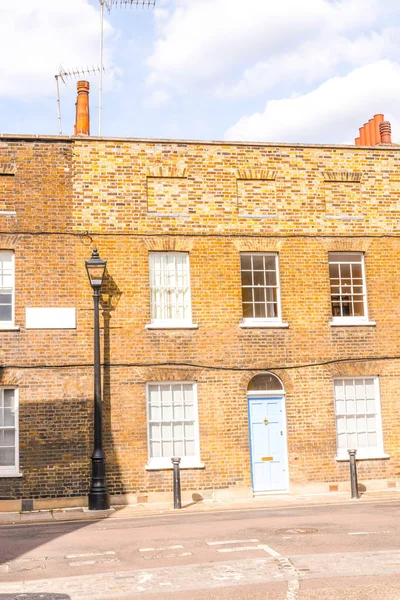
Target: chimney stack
x=386, y=132
x=82, y=124
x=374, y=132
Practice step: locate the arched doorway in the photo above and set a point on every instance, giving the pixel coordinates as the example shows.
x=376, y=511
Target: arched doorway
x=267, y=430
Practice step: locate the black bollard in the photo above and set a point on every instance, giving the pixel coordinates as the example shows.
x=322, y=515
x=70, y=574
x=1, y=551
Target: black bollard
x=353, y=474
x=177, y=483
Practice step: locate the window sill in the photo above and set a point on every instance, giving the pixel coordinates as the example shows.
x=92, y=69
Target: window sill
x=352, y=323
x=363, y=457
x=164, y=466
x=9, y=328
x=171, y=326
x=268, y=324
x=11, y=474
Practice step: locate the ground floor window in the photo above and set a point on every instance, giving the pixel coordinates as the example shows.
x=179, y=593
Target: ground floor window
x=8, y=432
x=172, y=424
x=358, y=416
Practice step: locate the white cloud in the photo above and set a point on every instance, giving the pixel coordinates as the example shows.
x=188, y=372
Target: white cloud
x=313, y=61
x=331, y=113
x=201, y=40
x=49, y=32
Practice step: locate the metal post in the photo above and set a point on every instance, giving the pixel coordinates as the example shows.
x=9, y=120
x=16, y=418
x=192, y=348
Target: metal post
x=353, y=474
x=177, y=483
x=101, y=62
x=98, y=496
x=58, y=105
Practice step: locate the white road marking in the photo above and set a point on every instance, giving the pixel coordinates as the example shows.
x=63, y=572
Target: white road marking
x=269, y=550
x=240, y=548
x=90, y=554
x=160, y=549
x=230, y=542
x=99, y=561
x=366, y=532
x=156, y=556
x=25, y=560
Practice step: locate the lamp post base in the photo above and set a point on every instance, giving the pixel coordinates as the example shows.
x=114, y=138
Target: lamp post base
x=98, y=500
x=98, y=495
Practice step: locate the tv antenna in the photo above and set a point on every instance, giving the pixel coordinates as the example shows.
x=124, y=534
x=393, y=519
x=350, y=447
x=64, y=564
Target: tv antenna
x=109, y=4
x=64, y=74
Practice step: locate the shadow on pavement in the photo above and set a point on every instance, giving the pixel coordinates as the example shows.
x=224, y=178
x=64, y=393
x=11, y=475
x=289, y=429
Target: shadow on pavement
x=34, y=597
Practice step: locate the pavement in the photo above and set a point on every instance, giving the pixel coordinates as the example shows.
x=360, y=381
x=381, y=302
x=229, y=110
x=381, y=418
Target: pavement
x=162, y=508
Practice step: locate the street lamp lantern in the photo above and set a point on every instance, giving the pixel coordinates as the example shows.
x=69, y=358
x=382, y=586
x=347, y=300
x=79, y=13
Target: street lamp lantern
x=95, y=268
x=98, y=496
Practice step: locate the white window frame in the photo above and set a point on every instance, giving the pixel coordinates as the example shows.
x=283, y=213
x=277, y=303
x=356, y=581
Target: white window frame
x=362, y=453
x=264, y=321
x=10, y=324
x=191, y=462
x=172, y=323
x=12, y=471
x=350, y=320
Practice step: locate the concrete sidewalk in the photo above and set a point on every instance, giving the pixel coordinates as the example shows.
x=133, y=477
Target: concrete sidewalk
x=166, y=508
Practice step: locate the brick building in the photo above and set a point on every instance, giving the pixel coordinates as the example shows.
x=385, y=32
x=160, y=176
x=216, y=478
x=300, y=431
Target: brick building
x=250, y=316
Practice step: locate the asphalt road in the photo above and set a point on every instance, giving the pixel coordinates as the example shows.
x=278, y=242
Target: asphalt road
x=316, y=553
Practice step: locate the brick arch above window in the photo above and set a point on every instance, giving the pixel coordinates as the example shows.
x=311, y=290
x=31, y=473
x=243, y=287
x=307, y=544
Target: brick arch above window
x=169, y=244
x=10, y=241
x=258, y=244
x=362, y=368
x=12, y=378
x=169, y=374
x=165, y=171
x=346, y=245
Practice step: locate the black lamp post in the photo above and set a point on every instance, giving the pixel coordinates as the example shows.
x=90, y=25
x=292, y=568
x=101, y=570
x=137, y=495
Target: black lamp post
x=98, y=496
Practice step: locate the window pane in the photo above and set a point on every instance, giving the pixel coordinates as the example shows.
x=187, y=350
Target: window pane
x=270, y=263
x=7, y=457
x=155, y=449
x=247, y=278
x=248, y=311
x=259, y=294
x=258, y=263
x=190, y=448
x=179, y=448
x=166, y=431
x=9, y=438
x=168, y=449
x=259, y=311
x=5, y=313
x=259, y=278
x=155, y=432
x=247, y=294
x=155, y=413
x=245, y=262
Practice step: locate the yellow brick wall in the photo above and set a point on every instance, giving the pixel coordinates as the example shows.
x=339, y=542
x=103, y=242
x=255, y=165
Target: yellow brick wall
x=101, y=187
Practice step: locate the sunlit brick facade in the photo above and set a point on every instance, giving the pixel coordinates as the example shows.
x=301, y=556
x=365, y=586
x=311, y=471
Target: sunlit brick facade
x=199, y=209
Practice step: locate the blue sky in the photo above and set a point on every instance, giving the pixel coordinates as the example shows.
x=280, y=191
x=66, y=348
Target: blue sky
x=261, y=70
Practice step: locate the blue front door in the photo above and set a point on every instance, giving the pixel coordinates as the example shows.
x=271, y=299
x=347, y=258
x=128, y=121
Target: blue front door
x=268, y=444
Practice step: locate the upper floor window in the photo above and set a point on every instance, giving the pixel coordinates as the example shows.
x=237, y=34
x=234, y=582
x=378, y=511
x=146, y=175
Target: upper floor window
x=260, y=287
x=170, y=288
x=8, y=432
x=348, y=290
x=358, y=417
x=6, y=288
